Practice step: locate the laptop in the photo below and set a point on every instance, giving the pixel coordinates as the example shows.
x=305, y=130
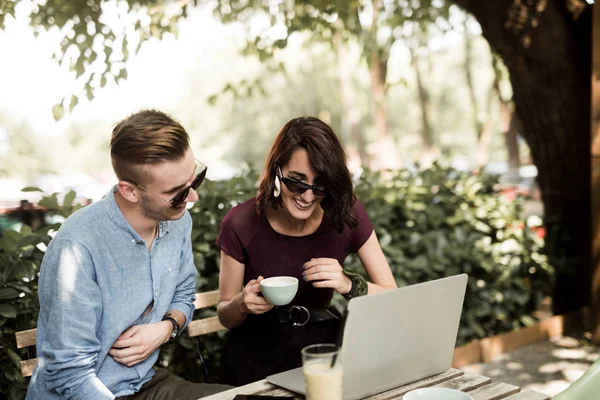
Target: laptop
x=394, y=338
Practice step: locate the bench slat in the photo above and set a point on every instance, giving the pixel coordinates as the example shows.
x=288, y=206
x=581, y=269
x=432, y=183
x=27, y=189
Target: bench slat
x=25, y=338
x=204, y=326
x=27, y=367
x=207, y=299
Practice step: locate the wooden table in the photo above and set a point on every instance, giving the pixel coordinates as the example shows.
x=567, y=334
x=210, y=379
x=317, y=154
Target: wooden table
x=479, y=387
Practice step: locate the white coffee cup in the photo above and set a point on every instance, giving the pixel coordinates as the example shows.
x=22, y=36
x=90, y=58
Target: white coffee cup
x=279, y=290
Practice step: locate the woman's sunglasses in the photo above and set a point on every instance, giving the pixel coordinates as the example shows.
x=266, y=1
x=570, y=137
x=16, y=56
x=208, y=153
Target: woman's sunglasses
x=180, y=197
x=300, y=187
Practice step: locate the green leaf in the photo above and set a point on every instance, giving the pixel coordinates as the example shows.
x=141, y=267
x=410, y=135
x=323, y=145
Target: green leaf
x=8, y=311
x=74, y=102
x=25, y=269
x=50, y=202
x=14, y=357
x=8, y=293
x=68, y=200
x=31, y=189
x=10, y=239
x=58, y=112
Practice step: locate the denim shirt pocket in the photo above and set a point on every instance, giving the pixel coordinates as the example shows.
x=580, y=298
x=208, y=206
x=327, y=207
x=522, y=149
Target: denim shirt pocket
x=169, y=278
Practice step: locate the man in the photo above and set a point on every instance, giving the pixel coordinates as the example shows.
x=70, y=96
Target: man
x=118, y=279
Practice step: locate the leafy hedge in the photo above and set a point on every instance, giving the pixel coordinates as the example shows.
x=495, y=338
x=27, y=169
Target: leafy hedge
x=21, y=254
x=430, y=223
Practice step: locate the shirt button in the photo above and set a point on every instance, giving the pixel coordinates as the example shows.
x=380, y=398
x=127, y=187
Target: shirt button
x=132, y=240
x=169, y=269
x=131, y=386
x=156, y=294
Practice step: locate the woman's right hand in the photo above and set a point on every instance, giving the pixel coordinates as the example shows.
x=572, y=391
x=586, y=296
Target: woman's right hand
x=251, y=300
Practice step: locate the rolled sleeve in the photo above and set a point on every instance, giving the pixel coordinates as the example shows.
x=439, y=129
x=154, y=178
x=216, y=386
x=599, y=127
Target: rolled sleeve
x=92, y=388
x=70, y=297
x=184, y=296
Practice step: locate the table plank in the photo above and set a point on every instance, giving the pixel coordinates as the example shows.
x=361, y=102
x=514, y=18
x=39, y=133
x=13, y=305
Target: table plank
x=466, y=382
x=494, y=391
x=479, y=387
x=529, y=395
x=398, y=392
x=258, y=387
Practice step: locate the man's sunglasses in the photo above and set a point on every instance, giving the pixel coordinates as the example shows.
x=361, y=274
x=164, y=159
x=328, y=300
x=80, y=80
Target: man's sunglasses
x=180, y=197
x=300, y=187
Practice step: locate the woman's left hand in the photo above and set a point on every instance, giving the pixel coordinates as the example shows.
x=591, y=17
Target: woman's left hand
x=327, y=273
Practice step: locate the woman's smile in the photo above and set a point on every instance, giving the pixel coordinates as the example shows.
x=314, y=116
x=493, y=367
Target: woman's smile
x=302, y=205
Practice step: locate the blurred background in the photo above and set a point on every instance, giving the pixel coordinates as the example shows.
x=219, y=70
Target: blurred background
x=414, y=84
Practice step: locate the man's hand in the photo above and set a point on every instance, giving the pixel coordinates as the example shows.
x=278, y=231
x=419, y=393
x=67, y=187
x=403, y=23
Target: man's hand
x=138, y=342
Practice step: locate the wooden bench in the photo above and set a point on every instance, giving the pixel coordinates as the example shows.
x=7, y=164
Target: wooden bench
x=195, y=328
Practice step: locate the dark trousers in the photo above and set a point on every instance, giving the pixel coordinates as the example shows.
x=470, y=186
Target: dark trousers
x=262, y=346
x=164, y=386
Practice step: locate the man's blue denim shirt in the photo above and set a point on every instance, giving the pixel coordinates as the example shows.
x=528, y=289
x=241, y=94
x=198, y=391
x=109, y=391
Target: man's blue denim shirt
x=97, y=279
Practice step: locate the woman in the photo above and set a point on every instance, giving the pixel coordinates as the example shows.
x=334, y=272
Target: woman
x=303, y=222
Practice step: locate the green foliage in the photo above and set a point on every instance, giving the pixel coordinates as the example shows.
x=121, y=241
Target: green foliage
x=441, y=222
x=430, y=223
x=20, y=258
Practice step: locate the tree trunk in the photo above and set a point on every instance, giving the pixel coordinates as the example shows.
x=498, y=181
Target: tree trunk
x=484, y=137
x=546, y=51
x=386, y=147
x=424, y=101
x=350, y=114
x=511, y=137
x=510, y=124
x=477, y=122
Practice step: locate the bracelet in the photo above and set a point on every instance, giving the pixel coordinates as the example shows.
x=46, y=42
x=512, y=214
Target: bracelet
x=359, y=285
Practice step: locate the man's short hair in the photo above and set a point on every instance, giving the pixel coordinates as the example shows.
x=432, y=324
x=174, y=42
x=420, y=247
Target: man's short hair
x=147, y=137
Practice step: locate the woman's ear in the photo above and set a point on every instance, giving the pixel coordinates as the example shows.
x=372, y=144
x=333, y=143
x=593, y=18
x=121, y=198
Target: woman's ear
x=128, y=191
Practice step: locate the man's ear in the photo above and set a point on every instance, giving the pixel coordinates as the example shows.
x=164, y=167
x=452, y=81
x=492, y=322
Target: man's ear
x=128, y=191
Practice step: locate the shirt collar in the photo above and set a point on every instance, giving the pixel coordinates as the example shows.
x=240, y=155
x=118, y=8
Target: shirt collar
x=117, y=217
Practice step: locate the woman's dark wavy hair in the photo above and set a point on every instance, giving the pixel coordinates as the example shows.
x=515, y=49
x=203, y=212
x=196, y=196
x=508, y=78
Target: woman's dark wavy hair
x=327, y=158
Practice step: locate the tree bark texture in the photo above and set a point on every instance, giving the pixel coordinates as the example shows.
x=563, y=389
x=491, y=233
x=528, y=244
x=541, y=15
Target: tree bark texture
x=477, y=123
x=546, y=49
x=511, y=137
x=387, y=154
x=424, y=101
x=351, y=115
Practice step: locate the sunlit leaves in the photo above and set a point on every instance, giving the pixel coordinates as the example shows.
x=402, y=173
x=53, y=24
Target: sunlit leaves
x=326, y=19
x=99, y=36
x=7, y=7
x=96, y=35
x=58, y=111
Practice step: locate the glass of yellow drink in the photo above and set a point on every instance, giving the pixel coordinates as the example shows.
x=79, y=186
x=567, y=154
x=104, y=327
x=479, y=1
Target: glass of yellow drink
x=322, y=366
